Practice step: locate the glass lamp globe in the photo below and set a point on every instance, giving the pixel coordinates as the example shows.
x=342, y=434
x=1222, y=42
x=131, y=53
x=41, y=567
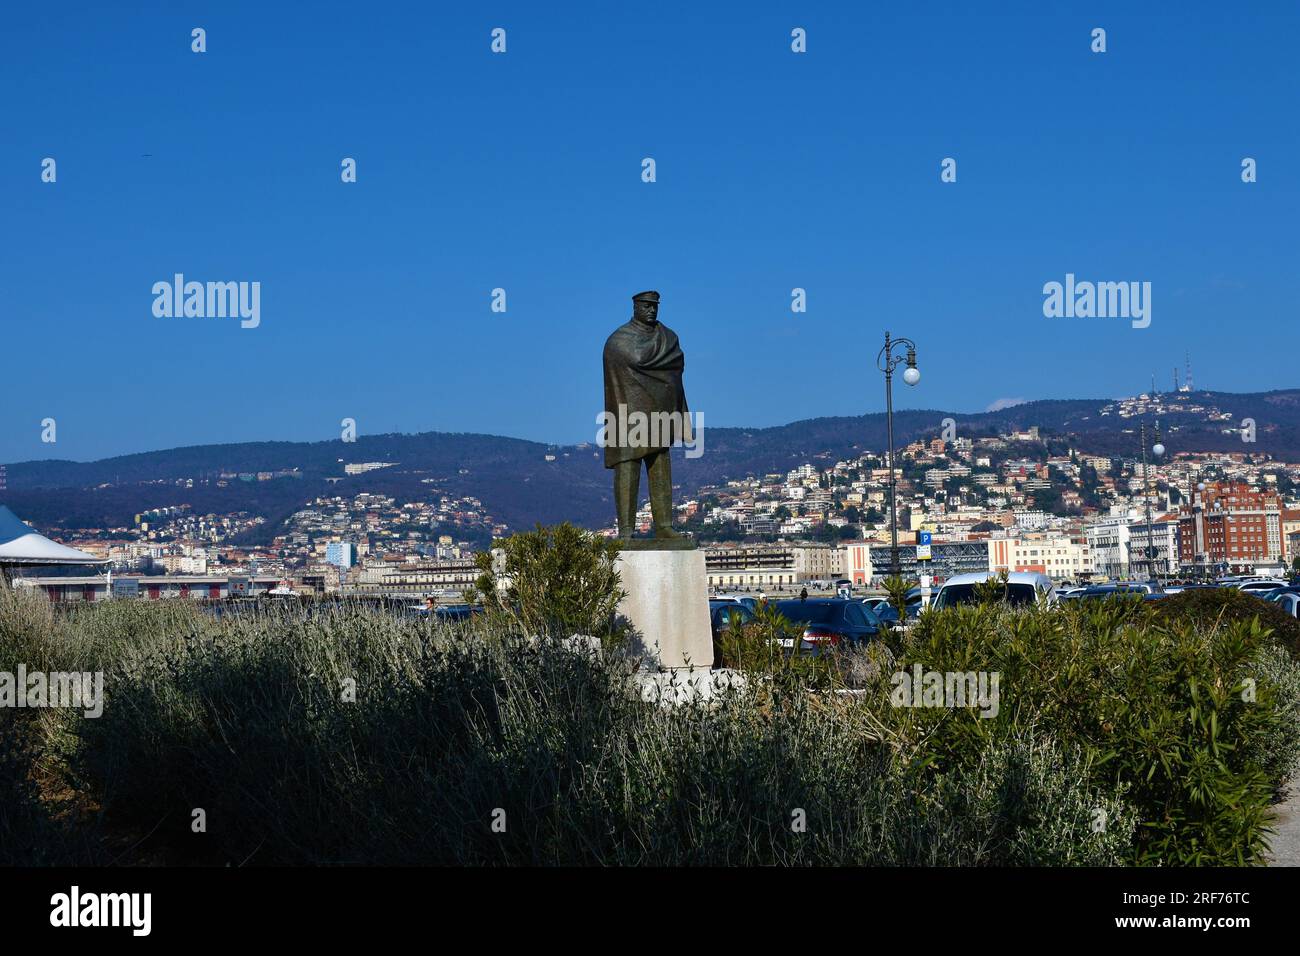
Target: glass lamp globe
x=911, y=376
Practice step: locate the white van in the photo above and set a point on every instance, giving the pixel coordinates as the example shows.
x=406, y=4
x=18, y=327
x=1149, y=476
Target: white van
x=1023, y=587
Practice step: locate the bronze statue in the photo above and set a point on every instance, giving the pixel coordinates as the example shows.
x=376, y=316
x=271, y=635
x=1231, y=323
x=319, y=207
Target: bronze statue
x=645, y=414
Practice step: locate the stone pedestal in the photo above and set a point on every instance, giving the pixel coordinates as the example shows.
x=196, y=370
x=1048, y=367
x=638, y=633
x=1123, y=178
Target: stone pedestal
x=667, y=604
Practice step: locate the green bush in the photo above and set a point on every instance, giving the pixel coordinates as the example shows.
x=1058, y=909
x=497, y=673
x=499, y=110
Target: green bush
x=553, y=581
x=756, y=647
x=1122, y=735
x=1212, y=607
x=1277, y=749
x=1028, y=803
x=451, y=734
x=1155, y=706
x=897, y=587
x=26, y=830
x=31, y=829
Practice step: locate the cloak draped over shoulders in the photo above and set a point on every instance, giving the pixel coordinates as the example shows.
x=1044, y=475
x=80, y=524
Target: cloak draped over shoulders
x=643, y=373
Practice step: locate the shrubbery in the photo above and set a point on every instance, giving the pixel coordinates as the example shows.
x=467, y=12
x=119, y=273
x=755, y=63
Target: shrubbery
x=1123, y=734
x=1160, y=710
x=1212, y=607
x=553, y=582
x=451, y=732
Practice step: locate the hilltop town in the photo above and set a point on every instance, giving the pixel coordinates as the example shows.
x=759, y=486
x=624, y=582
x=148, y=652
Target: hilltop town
x=1023, y=499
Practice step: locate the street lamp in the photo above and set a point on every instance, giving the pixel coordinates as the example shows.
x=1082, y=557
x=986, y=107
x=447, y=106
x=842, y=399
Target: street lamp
x=1198, y=534
x=1157, y=450
x=887, y=361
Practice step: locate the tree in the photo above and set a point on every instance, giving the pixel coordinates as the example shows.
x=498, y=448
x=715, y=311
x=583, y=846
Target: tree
x=555, y=581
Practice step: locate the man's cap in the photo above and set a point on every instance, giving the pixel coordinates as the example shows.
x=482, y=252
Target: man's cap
x=646, y=297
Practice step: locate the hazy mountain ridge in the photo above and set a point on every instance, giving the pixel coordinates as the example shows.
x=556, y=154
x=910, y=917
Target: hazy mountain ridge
x=517, y=485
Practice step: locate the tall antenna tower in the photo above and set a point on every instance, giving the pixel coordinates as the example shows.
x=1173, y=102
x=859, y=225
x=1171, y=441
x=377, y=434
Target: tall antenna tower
x=1176, y=388
x=1189, y=370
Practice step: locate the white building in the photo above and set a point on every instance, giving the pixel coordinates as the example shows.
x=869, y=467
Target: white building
x=1059, y=556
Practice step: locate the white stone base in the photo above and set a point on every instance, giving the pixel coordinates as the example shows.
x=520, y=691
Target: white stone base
x=667, y=603
x=687, y=685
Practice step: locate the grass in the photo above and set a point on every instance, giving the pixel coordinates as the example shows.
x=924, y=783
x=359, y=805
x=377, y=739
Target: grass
x=340, y=735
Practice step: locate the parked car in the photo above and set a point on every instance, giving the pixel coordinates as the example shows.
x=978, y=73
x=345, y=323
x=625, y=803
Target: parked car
x=724, y=614
x=1288, y=599
x=1022, y=587
x=1260, y=586
x=888, y=614
x=1146, y=587
x=748, y=600
x=1122, y=589
x=457, y=612
x=829, y=623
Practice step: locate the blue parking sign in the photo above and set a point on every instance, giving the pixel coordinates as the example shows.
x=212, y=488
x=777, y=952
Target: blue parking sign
x=925, y=538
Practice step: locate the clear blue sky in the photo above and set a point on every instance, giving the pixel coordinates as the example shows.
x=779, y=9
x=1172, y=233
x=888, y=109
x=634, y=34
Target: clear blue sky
x=522, y=171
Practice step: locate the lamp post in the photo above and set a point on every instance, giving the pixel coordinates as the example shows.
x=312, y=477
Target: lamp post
x=1198, y=531
x=887, y=361
x=1157, y=451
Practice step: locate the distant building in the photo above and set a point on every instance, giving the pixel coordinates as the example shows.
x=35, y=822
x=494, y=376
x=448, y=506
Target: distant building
x=1059, y=556
x=1231, y=525
x=192, y=587
x=420, y=579
x=770, y=565
x=946, y=559
x=341, y=554
x=1108, y=542
x=856, y=562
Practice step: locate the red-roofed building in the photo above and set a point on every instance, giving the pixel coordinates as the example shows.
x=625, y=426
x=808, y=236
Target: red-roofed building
x=1231, y=524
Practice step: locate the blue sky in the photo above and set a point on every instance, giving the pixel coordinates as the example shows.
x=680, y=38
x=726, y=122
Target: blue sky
x=522, y=171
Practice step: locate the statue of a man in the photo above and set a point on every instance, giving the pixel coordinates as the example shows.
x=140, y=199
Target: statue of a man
x=645, y=413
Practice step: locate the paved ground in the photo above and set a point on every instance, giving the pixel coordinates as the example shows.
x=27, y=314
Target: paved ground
x=1286, y=842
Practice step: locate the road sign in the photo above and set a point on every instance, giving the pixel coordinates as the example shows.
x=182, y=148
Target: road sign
x=923, y=546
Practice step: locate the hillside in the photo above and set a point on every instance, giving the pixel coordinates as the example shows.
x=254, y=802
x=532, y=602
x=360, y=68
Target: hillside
x=518, y=485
